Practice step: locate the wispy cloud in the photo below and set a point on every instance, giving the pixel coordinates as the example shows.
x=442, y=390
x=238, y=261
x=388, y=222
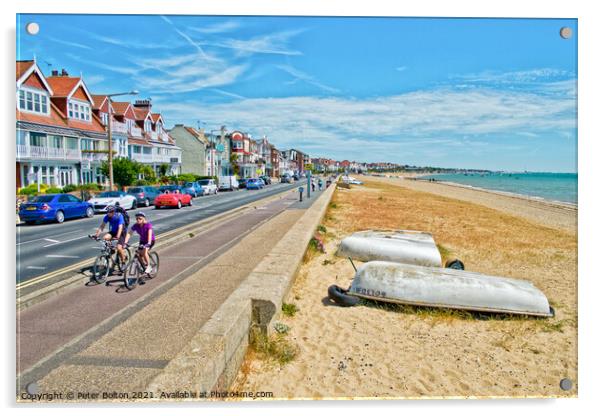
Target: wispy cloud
x=401, y=68
x=302, y=76
x=272, y=43
x=135, y=44
x=222, y=27
x=69, y=43
x=393, y=125
x=187, y=38
x=517, y=77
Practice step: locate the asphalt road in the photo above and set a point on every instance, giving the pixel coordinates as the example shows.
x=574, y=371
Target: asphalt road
x=45, y=248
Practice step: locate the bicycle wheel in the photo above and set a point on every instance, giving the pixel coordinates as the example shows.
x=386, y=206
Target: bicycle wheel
x=122, y=265
x=154, y=262
x=101, y=269
x=131, y=275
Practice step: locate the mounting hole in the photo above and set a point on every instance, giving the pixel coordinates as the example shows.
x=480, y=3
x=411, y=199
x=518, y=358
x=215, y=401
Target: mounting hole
x=566, y=32
x=566, y=384
x=32, y=388
x=32, y=28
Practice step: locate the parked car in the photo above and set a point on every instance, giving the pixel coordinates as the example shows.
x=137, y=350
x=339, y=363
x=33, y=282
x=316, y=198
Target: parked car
x=227, y=183
x=266, y=179
x=145, y=195
x=193, y=189
x=173, y=198
x=208, y=186
x=296, y=177
x=255, y=183
x=104, y=199
x=167, y=188
x=54, y=207
x=286, y=178
x=242, y=183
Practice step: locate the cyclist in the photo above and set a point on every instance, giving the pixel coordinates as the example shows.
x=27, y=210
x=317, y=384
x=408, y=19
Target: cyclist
x=117, y=229
x=147, y=238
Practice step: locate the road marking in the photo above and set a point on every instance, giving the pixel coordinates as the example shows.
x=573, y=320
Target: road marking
x=66, y=241
x=38, y=239
x=36, y=267
x=61, y=256
x=51, y=240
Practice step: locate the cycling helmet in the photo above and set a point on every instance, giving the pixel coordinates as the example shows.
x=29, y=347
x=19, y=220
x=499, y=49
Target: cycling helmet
x=140, y=214
x=110, y=208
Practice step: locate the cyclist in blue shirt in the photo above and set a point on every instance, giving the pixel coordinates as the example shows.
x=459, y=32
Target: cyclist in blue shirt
x=117, y=229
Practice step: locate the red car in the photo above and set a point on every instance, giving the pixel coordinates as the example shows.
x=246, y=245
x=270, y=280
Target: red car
x=172, y=198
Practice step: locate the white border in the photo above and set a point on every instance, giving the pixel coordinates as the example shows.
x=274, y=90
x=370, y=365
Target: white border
x=590, y=33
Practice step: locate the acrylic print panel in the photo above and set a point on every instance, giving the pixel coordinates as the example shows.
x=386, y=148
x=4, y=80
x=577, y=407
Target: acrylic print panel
x=255, y=157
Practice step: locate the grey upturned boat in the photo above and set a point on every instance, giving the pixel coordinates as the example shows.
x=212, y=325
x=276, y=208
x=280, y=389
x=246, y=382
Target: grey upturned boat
x=448, y=288
x=402, y=246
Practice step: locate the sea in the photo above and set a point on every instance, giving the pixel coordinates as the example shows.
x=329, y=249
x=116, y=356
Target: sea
x=550, y=186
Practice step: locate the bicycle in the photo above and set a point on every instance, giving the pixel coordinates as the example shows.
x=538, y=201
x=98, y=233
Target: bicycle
x=135, y=269
x=108, y=260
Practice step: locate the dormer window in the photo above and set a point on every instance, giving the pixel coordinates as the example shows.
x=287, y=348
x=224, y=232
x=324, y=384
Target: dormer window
x=79, y=110
x=105, y=118
x=33, y=101
x=148, y=126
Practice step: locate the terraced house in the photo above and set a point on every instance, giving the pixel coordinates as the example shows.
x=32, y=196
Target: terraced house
x=62, y=130
x=60, y=140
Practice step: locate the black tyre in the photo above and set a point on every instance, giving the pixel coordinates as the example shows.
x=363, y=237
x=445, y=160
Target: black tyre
x=179, y=205
x=147, y=202
x=100, y=270
x=154, y=262
x=120, y=265
x=454, y=264
x=134, y=204
x=339, y=296
x=59, y=217
x=190, y=203
x=30, y=222
x=131, y=275
x=89, y=212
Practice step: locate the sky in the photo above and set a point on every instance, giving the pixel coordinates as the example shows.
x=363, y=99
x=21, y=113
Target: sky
x=498, y=94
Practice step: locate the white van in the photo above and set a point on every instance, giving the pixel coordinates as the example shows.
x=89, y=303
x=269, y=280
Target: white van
x=228, y=183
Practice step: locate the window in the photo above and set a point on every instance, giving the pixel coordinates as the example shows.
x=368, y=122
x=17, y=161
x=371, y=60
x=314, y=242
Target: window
x=147, y=150
x=136, y=149
x=73, y=198
x=70, y=143
x=55, y=141
x=64, y=198
x=80, y=111
x=37, y=139
x=21, y=137
x=87, y=144
x=33, y=101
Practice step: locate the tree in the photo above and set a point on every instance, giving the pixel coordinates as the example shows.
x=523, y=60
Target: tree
x=234, y=163
x=125, y=171
x=163, y=168
x=148, y=173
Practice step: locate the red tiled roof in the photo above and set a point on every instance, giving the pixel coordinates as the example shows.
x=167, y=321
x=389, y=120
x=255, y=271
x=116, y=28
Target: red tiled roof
x=22, y=67
x=140, y=113
x=119, y=108
x=135, y=140
x=98, y=100
x=62, y=86
x=155, y=117
x=57, y=118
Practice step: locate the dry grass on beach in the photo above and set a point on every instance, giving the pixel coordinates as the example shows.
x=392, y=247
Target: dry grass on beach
x=379, y=350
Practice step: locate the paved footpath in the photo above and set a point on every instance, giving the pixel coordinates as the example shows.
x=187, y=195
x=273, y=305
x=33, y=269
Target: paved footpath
x=100, y=338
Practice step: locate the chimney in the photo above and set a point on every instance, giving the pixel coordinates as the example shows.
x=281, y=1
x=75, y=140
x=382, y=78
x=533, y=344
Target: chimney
x=144, y=104
x=55, y=73
x=64, y=73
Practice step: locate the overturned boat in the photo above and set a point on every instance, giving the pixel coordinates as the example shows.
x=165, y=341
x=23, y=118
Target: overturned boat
x=439, y=287
x=401, y=246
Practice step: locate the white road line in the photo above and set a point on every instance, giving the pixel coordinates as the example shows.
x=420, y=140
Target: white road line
x=61, y=256
x=66, y=241
x=56, y=235
x=36, y=267
x=51, y=240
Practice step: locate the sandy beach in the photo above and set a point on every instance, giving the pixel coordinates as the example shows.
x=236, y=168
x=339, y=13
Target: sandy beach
x=379, y=351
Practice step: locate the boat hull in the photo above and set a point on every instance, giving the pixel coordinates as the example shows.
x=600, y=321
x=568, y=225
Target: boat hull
x=448, y=288
x=403, y=246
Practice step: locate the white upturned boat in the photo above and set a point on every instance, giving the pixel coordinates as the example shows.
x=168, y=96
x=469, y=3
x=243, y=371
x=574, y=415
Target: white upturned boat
x=439, y=287
x=402, y=246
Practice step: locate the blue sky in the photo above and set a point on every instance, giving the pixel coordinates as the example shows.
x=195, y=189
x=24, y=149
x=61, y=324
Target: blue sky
x=474, y=93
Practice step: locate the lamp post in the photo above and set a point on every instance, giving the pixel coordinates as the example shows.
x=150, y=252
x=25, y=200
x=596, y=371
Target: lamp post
x=110, y=136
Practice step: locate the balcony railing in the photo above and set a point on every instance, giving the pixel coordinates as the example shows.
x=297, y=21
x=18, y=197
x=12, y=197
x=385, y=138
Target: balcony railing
x=142, y=157
x=136, y=131
x=40, y=152
x=117, y=127
x=94, y=157
x=156, y=158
